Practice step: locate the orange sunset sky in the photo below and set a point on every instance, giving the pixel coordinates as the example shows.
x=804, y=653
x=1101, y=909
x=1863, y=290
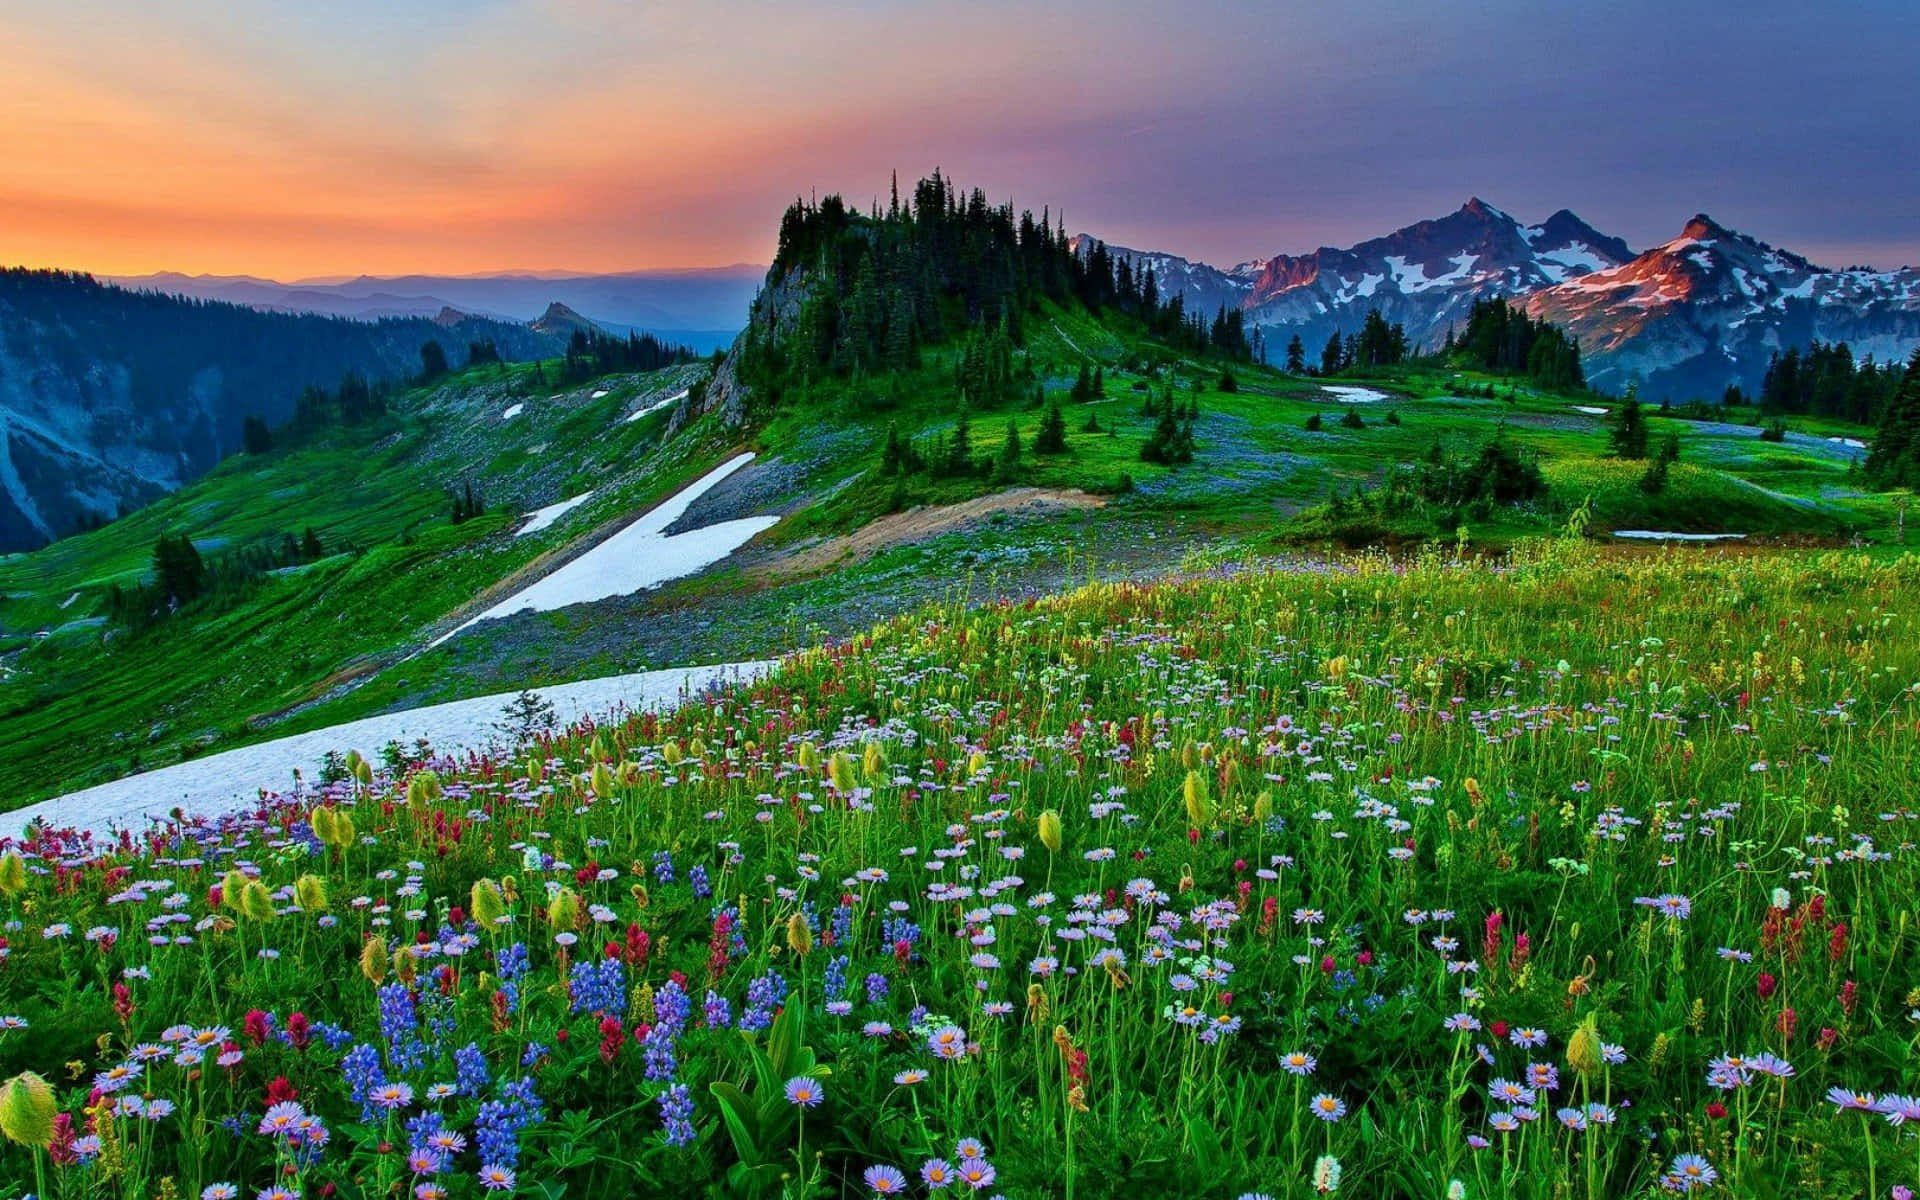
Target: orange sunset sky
x=293, y=140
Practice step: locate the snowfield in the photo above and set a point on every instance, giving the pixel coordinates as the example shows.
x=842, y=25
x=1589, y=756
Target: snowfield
x=641, y=556
x=1591, y=410
x=543, y=518
x=1356, y=395
x=513, y=412
x=232, y=780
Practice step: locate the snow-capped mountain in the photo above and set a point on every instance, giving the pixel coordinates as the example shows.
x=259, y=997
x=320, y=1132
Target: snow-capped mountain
x=1710, y=307
x=1425, y=276
x=1684, y=319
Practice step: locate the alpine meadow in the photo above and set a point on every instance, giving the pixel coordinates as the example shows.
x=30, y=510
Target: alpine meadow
x=603, y=641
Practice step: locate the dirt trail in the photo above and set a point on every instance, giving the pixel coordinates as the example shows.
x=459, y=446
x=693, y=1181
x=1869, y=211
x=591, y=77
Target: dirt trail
x=918, y=524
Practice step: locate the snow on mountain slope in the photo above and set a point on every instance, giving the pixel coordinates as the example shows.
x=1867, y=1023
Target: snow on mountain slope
x=1710, y=307
x=1684, y=319
x=1425, y=276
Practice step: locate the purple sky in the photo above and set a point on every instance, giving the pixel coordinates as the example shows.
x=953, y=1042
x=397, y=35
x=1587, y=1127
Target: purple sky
x=287, y=138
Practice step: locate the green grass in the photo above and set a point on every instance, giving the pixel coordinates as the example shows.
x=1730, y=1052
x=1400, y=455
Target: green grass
x=88, y=702
x=89, y=706
x=1587, y=823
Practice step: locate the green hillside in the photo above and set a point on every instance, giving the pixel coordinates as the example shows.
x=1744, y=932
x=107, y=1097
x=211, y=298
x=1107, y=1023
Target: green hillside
x=1148, y=440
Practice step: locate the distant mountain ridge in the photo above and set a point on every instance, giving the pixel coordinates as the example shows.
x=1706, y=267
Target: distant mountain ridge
x=701, y=307
x=110, y=398
x=1680, y=326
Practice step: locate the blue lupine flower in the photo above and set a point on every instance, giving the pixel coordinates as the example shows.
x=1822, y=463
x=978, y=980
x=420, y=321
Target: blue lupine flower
x=764, y=995
x=834, y=980
x=469, y=1069
x=676, y=1106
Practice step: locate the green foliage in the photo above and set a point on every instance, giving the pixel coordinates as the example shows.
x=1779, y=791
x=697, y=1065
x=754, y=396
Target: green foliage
x=1052, y=438
x=1171, y=442
x=1628, y=437
x=1500, y=337
x=467, y=503
x=433, y=361
x=850, y=294
x=591, y=353
x=255, y=437
x=1895, y=457
x=1824, y=380
x=1006, y=466
x=1534, y=720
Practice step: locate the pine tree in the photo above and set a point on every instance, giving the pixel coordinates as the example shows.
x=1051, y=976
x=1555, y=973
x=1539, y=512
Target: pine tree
x=960, y=450
x=1629, y=437
x=255, y=437
x=1296, y=356
x=1006, y=467
x=1330, y=356
x=1895, y=458
x=1052, y=438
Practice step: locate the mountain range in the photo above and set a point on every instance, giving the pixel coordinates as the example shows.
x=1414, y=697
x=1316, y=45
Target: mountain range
x=702, y=308
x=1682, y=320
x=110, y=398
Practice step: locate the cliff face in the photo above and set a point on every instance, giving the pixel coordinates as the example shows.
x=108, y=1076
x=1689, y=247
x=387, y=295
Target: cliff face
x=773, y=317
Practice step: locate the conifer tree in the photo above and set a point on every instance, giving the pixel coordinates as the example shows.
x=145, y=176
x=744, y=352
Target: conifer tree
x=1006, y=467
x=1052, y=438
x=1629, y=437
x=1895, y=458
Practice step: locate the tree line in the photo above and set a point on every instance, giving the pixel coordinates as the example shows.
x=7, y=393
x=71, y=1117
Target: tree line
x=1825, y=380
x=852, y=293
x=183, y=577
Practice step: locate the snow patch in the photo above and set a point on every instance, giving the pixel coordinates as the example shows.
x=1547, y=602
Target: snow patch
x=1852, y=443
x=233, y=779
x=1356, y=395
x=513, y=412
x=543, y=518
x=657, y=405
x=639, y=557
x=597, y=395
x=1591, y=410
x=1667, y=535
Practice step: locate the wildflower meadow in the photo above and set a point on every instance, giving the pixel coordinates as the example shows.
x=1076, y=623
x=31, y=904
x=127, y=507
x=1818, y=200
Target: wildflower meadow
x=1579, y=874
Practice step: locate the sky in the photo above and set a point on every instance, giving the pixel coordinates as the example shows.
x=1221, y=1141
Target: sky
x=315, y=139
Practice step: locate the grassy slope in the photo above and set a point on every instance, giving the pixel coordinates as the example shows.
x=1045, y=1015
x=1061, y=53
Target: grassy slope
x=1397, y=752
x=80, y=709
